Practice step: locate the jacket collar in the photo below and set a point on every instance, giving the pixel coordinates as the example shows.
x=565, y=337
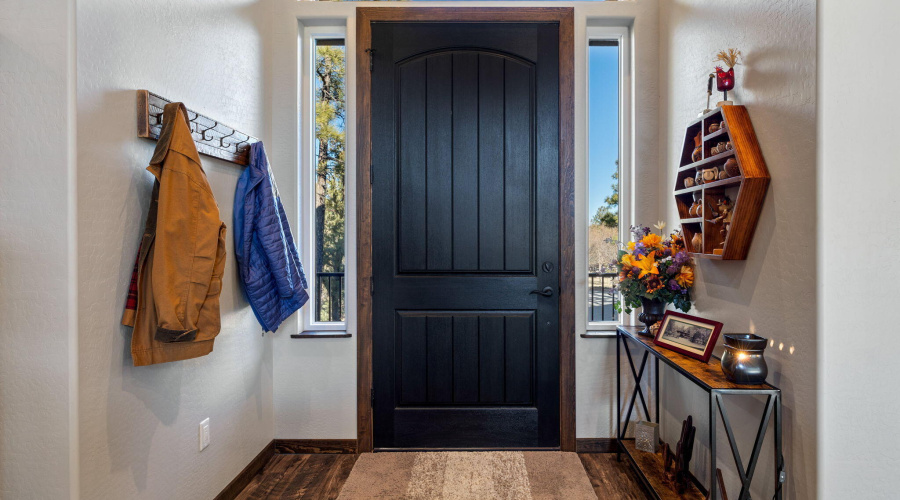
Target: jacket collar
x=259, y=165
x=175, y=136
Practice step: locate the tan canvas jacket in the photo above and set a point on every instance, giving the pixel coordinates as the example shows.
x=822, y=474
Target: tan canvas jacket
x=173, y=302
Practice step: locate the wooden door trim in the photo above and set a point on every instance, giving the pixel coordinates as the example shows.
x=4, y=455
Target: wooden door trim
x=565, y=16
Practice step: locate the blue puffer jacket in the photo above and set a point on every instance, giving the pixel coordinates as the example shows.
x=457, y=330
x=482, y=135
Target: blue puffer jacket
x=270, y=269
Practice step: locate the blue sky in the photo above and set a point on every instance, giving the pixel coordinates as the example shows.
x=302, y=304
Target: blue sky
x=604, y=124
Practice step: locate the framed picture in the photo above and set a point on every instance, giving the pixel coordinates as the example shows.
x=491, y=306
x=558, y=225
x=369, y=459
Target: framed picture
x=689, y=335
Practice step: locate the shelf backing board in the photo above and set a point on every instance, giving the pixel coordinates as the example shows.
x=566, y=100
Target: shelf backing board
x=212, y=137
x=747, y=191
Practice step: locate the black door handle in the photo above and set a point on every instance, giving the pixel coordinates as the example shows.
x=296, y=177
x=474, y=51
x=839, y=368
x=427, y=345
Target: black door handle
x=546, y=292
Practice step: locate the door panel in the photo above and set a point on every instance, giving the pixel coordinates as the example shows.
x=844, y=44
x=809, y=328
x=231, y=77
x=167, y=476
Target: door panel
x=465, y=128
x=482, y=201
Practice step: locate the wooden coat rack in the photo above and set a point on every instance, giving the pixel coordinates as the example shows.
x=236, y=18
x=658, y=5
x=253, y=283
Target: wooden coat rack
x=213, y=138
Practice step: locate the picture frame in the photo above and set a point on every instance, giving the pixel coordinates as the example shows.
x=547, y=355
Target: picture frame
x=691, y=336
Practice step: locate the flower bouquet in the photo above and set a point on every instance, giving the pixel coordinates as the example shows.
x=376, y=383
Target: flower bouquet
x=654, y=272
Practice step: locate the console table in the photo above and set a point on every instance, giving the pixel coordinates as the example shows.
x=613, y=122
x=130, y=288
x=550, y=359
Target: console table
x=709, y=377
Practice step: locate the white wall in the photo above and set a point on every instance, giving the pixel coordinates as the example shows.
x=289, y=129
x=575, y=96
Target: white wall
x=139, y=425
x=772, y=292
x=37, y=249
x=858, y=206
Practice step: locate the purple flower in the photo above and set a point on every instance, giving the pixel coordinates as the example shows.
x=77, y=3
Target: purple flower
x=681, y=258
x=640, y=249
x=683, y=291
x=674, y=286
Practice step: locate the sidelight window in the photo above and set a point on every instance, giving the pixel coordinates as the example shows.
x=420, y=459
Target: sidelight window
x=604, y=173
x=325, y=195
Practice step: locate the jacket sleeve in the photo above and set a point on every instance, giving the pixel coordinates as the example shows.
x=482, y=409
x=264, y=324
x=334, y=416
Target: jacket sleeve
x=275, y=248
x=184, y=257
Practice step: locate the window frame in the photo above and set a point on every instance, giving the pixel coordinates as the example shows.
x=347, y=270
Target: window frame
x=622, y=36
x=307, y=170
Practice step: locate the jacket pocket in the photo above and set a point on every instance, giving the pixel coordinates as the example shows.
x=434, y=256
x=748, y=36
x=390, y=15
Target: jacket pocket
x=210, y=321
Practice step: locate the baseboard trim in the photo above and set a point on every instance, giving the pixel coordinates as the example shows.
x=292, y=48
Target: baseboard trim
x=595, y=445
x=237, y=485
x=309, y=446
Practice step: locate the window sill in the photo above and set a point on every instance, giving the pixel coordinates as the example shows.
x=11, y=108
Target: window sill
x=326, y=334
x=599, y=335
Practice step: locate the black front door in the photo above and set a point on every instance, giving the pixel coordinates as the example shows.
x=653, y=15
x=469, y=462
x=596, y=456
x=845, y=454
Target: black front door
x=465, y=226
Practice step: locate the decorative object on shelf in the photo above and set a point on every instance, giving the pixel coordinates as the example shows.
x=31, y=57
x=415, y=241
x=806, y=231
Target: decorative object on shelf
x=697, y=242
x=651, y=312
x=731, y=166
x=709, y=82
x=747, y=180
x=723, y=214
x=743, y=361
x=677, y=469
x=725, y=79
x=654, y=271
x=689, y=335
x=696, y=209
x=723, y=175
x=713, y=128
x=688, y=182
x=646, y=436
x=697, y=154
x=710, y=174
x=698, y=179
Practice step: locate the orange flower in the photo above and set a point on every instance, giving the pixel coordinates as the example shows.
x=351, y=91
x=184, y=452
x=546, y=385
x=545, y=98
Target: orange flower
x=652, y=240
x=647, y=265
x=686, y=277
x=631, y=246
x=654, y=284
x=628, y=260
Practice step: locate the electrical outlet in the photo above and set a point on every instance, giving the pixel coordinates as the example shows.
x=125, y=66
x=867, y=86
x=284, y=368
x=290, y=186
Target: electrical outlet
x=204, y=434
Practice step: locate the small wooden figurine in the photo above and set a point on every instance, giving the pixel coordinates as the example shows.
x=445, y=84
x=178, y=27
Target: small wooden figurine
x=697, y=242
x=688, y=182
x=723, y=214
x=713, y=128
x=710, y=174
x=697, y=155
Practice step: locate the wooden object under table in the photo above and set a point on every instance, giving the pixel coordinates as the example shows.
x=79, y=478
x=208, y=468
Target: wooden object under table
x=709, y=377
x=746, y=191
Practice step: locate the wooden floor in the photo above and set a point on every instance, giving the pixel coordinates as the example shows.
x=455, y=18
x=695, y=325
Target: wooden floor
x=321, y=477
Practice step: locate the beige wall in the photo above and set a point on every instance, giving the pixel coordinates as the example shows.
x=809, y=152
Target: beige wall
x=772, y=293
x=858, y=209
x=37, y=250
x=139, y=425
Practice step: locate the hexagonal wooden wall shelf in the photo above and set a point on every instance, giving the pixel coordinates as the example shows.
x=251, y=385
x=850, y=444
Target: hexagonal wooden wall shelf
x=721, y=145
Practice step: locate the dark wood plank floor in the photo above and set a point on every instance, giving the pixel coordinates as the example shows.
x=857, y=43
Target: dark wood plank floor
x=321, y=477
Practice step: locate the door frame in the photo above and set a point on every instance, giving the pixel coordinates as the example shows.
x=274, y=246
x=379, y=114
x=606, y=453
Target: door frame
x=565, y=17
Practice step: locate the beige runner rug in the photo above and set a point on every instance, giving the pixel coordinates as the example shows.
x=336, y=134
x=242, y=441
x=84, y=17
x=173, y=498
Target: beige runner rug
x=537, y=475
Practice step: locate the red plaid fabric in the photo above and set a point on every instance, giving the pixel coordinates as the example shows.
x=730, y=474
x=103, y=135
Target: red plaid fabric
x=132, y=301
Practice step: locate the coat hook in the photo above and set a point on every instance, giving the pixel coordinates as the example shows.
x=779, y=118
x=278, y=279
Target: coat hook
x=203, y=133
x=222, y=140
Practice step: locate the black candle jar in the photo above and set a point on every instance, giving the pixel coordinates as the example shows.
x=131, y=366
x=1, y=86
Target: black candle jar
x=743, y=361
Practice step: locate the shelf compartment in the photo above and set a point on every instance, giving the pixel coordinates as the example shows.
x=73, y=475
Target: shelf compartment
x=651, y=468
x=717, y=133
x=707, y=161
x=724, y=182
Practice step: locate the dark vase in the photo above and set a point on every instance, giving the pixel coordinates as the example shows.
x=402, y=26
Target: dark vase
x=743, y=361
x=652, y=311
